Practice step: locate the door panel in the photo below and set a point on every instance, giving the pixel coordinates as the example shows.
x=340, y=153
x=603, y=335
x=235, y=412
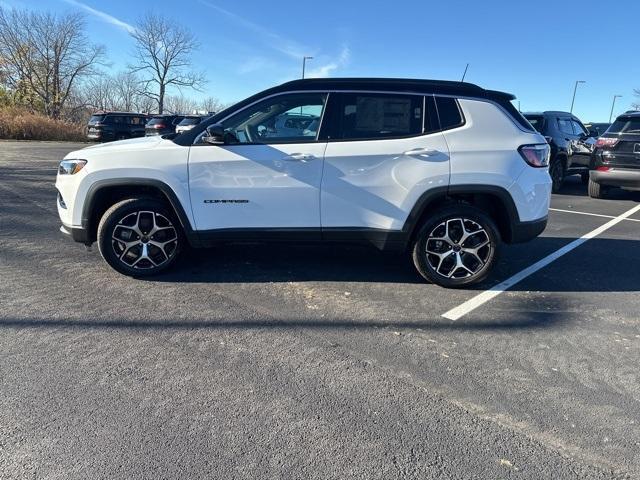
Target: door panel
x=256, y=186
x=268, y=172
x=376, y=183
x=378, y=160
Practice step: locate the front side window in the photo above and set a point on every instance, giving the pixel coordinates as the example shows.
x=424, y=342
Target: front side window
x=578, y=129
x=564, y=125
x=368, y=116
x=290, y=118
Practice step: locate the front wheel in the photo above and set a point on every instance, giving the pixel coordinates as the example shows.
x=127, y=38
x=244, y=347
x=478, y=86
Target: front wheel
x=139, y=237
x=457, y=246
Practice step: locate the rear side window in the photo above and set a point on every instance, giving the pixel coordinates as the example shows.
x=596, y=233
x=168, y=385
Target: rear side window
x=625, y=125
x=370, y=116
x=449, y=113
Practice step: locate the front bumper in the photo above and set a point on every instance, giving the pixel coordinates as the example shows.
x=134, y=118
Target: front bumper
x=617, y=177
x=79, y=235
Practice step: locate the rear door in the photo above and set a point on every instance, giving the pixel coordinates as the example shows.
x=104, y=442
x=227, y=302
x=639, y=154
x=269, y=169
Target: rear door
x=382, y=153
x=583, y=144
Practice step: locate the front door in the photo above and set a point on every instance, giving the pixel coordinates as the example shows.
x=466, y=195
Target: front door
x=268, y=173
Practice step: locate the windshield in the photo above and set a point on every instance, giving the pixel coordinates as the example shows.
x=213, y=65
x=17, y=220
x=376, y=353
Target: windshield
x=96, y=118
x=536, y=121
x=629, y=125
x=190, y=121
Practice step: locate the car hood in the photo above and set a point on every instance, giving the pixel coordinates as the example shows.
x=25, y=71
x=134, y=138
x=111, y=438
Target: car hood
x=130, y=144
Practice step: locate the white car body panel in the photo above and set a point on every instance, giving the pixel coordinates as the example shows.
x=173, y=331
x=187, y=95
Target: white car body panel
x=484, y=151
x=376, y=183
x=256, y=186
x=150, y=158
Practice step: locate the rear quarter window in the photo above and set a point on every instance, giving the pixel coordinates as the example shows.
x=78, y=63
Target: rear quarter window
x=625, y=125
x=449, y=113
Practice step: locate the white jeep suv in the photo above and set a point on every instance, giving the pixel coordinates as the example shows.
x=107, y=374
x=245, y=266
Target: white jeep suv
x=447, y=170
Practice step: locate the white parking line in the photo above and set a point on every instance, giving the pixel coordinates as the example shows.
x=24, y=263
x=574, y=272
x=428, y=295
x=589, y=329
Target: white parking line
x=591, y=214
x=484, y=297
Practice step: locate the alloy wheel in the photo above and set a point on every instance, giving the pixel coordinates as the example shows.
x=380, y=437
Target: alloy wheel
x=458, y=248
x=144, y=240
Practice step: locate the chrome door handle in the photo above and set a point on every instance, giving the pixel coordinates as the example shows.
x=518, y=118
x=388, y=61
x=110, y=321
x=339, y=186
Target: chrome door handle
x=298, y=157
x=425, y=152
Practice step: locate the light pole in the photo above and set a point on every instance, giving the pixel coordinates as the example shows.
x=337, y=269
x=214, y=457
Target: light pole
x=574, y=93
x=304, y=64
x=613, y=104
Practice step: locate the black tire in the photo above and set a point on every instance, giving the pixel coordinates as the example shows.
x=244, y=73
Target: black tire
x=584, y=177
x=596, y=190
x=557, y=173
x=162, y=247
x=435, y=268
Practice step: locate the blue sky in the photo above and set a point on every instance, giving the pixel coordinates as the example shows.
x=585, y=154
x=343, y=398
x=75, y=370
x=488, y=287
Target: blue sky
x=535, y=50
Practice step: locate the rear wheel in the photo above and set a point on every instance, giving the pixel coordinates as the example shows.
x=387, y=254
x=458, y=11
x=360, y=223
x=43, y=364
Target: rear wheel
x=139, y=237
x=457, y=246
x=596, y=190
x=557, y=173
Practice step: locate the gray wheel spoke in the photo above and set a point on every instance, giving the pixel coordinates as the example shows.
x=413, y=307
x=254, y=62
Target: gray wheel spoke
x=153, y=257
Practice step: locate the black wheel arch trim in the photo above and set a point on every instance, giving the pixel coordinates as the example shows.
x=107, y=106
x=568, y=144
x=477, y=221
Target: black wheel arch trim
x=176, y=205
x=446, y=192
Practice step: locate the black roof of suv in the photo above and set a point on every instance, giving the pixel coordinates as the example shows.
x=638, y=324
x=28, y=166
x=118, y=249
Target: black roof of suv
x=407, y=85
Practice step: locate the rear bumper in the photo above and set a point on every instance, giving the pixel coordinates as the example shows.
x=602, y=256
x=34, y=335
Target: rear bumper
x=617, y=177
x=78, y=234
x=525, y=231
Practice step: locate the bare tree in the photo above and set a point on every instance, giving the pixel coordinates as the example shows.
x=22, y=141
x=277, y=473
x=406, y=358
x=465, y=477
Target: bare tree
x=126, y=89
x=212, y=104
x=46, y=55
x=163, y=57
x=99, y=93
x=179, y=104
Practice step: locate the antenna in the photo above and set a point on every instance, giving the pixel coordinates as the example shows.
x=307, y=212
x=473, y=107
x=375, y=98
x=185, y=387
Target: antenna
x=465, y=72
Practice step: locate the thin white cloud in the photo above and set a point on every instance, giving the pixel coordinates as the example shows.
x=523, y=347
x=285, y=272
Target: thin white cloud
x=110, y=19
x=326, y=69
x=277, y=42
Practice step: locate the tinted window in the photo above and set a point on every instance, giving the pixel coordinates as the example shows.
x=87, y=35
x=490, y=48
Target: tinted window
x=578, y=129
x=366, y=116
x=431, y=122
x=625, y=125
x=291, y=118
x=448, y=112
x=190, y=121
x=564, y=125
x=536, y=121
x=157, y=121
x=96, y=119
x=136, y=120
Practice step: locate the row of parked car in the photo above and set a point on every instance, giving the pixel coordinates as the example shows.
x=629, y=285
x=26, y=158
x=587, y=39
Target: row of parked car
x=604, y=155
x=108, y=126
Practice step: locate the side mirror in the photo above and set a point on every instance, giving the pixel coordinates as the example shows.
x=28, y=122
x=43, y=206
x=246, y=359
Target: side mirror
x=215, y=135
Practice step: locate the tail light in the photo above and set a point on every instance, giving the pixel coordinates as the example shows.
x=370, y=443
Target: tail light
x=607, y=142
x=603, y=169
x=536, y=155
x=158, y=125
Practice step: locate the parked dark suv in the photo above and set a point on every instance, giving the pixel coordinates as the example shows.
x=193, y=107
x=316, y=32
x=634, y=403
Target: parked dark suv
x=162, y=124
x=571, y=144
x=616, y=158
x=107, y=126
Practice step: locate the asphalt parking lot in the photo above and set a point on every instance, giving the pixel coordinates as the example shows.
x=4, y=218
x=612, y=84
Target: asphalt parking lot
x=314, y=362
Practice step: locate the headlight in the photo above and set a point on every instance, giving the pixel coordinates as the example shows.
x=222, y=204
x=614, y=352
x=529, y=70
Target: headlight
x=70, y=167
